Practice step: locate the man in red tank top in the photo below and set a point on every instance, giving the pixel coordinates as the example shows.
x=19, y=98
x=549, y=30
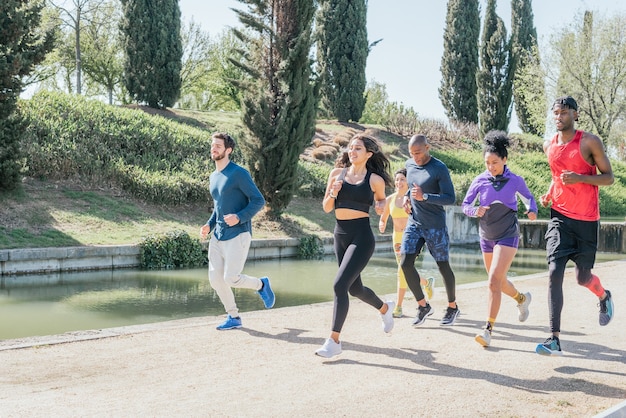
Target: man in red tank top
x=579, y=164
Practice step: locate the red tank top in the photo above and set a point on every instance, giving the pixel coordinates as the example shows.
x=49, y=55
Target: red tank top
x=580, y=200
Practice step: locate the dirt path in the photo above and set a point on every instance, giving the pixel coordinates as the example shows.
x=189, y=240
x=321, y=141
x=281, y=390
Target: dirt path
x=267, y=368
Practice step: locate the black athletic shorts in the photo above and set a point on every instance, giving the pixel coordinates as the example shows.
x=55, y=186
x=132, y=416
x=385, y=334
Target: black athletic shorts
x=571, y=238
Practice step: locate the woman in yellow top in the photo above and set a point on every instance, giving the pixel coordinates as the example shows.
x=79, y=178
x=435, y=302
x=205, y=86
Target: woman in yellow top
x=399, y=216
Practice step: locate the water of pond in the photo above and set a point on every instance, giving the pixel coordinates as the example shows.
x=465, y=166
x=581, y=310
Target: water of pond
x=52, y=304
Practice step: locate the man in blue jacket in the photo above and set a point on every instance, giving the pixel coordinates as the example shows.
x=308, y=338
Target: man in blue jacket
x=236, y=199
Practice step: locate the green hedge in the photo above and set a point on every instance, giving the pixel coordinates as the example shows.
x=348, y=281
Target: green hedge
x=175, y=249
x=155, y=158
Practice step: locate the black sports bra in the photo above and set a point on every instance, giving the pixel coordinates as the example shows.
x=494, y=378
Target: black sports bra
x=355, y=196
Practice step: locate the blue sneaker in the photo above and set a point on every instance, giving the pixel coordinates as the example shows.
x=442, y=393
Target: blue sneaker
x=266, y=293
x=606, y=309
x=550, y=347
x=230, y=323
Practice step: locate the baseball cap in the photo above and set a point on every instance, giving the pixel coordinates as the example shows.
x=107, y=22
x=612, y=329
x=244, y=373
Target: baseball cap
x=567, y=101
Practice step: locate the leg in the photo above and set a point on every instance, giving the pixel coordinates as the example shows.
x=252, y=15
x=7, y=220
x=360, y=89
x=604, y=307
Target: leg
x=438, y=243
x=216, y=277
x=556, y=272
x=498, y=283
x=235, y=254
x=401, y=287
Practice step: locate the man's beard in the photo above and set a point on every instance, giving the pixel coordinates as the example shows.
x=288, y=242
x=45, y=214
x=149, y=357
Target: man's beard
x=218, y=156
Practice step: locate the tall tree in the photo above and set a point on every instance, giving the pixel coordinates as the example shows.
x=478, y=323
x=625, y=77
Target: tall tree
x=103, y=60
x=74, y=17
x=279, y=95
x=529, y=92
x=459, y=62
x=590, y=55
x=153, y=48
x=494, y=78
x=23, y=45
x=342, y=50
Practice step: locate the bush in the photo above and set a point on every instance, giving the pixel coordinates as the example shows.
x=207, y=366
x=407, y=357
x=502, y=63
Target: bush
x=312, y=178
x=526, y=142
x=175, y=249
x=72, y=137
x=310, y=248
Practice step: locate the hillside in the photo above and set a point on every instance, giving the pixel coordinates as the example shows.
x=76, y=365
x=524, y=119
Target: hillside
x=60, y=212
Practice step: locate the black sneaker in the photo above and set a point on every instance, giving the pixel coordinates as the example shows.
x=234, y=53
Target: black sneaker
x=606, y=309
x=422, y=313
x=450, y=316
x=550, y=347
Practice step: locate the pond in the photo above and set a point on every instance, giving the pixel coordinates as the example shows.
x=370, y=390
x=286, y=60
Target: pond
x=51, y=304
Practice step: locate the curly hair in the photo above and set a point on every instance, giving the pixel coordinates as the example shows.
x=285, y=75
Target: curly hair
x=497, y=142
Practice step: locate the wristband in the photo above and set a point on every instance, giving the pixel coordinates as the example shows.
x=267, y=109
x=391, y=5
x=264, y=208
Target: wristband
x=330, y=194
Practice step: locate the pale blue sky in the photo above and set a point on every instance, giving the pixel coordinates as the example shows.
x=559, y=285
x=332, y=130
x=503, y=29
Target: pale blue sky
x=407, y=61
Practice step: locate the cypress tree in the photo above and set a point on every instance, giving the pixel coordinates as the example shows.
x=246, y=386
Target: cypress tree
x=279, y=94
x=529, y=91
x=23, y=45
x=459, y=62
x=153, y=49
x=342, y=50
x=494, y=78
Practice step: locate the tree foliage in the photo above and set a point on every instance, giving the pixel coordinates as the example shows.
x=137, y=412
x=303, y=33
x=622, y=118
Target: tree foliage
x=23, y=45
x=459, y=63
x=279, y=95
x=103, y=60
x=153, y=51
x=495, y=78
x=529, y=91
x=207, y=70
x=342, y=50
x=590, y=55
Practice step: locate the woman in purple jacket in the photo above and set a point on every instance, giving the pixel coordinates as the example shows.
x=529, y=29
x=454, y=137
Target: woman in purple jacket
x=497, y=190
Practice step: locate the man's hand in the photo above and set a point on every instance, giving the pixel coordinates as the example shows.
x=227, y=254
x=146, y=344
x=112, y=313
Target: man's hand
x=204, y=231
x=231, y=219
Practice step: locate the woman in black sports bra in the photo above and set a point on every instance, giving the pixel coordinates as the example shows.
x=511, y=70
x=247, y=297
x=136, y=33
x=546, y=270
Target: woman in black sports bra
x=357, y=182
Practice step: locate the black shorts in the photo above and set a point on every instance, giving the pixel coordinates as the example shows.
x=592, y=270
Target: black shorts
x=576, y=240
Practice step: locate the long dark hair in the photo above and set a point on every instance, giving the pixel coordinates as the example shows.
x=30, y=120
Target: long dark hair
x=497, y=142
x=378, y=163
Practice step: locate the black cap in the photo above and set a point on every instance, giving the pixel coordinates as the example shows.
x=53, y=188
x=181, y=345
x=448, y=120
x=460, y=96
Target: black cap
x=567, y=101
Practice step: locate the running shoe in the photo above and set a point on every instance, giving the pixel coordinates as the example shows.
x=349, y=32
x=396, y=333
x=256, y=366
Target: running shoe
x=484, y=338
x=397, y=312
x=606, y=309
x=266, y=293
x=450, y=316
x=329, y=349
x=550, y=347
x=387, y=317
x=428, y=289
x=523, y=307
x=422, y=313
x=230, y=323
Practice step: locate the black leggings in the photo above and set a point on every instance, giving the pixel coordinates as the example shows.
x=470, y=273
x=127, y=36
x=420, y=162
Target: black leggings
x=354, y=246
x=407, y=263
x=556, y=272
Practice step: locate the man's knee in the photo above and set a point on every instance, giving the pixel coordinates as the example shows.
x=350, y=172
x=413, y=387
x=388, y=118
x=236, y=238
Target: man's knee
x=583, y=276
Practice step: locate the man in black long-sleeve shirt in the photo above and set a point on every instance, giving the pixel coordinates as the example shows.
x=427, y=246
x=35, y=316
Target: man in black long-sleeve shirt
x=430, y=188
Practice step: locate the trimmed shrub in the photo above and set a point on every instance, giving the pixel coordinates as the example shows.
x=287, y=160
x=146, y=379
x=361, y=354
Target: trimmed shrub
x=175, y=249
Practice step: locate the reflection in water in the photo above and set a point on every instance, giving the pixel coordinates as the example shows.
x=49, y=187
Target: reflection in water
x=57, y=303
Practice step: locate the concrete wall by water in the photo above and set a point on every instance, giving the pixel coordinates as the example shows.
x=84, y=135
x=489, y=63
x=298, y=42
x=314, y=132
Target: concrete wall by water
x=462, y=230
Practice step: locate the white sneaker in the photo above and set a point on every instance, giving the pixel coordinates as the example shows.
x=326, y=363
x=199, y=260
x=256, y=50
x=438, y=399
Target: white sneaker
x=523, y=307
x=329, y=349
x=387, y=317
x=484, y=338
